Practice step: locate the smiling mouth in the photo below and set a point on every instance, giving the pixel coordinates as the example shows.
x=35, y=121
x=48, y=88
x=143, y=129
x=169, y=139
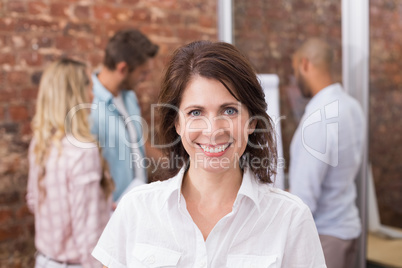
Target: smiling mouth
x=214, y=149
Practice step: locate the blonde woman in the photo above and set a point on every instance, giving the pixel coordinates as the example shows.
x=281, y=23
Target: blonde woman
x=68, y=188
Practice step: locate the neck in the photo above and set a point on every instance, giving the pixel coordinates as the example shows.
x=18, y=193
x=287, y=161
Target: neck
x=204, y=187
x=109, y=80
x=320, y=83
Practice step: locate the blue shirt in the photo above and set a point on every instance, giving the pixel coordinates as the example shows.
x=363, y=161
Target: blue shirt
x=325, y=156
x=108, y=125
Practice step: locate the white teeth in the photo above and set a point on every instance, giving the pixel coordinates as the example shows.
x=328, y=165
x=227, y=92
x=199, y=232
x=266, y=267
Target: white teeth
x=215, y=149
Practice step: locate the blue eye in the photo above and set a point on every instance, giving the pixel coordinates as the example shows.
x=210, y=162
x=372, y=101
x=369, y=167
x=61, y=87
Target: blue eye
x=195, y=113
x=230, y=111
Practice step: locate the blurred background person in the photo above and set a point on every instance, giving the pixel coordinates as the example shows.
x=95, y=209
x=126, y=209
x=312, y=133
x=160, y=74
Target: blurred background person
x=326, y=153
x=69, y=190
x=116, y=119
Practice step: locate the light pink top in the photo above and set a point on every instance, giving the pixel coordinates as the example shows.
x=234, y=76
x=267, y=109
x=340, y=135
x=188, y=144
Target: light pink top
x=70, y=220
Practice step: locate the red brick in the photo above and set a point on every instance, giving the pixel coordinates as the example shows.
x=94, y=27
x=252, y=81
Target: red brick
x=19, y=42
x=9, y=198
x=36, y=25
x=7, y=233
x=142, y=15
x=36, y=76
x=17, y=78
x=82, y=12
x=31, y=58
x=85, y=44
x=7, y=96
x=166, y=4
x=188, y=34
x=131, y=2
x=29, y=93
x=26, y=127
x=158, y=31
x=16, y=6
x=112, y=14
x=65, y=42
x=82, y=28
x=38, y=7
x=207, y=21
x=43, y=42
x=3, y=41
x=59, y=10
x=18, y=112
x=6, y=215
x=173, y=18
x=2, y=117
x=23, y=212
x=103, y=12
x=96, y=59
x=7, y=59
x=6, y=24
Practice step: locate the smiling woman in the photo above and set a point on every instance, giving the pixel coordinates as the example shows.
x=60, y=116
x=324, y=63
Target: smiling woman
x=218, y=209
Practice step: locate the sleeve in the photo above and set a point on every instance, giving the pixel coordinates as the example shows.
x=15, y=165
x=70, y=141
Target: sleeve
x=32, y=181
x=303, y=246
x=309, y=153
x=112, y=246
x=89, y=207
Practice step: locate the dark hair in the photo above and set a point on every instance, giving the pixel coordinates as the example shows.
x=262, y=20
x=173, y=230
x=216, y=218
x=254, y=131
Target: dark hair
x=225, y=63
x=130, y=46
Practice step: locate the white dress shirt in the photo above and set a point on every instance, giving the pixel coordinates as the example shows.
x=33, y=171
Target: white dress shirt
x=267, y=227
x=325, y=156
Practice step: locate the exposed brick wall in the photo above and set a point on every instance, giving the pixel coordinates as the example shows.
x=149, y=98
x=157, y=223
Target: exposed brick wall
x=32, y=34
x=386, y=107
x=269, y=32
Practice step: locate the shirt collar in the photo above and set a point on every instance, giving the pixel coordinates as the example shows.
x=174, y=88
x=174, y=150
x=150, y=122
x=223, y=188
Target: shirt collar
x=320, y=97
x=248, y=188
x=99, y=90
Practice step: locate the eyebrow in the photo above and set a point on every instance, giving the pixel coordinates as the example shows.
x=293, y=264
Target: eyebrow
x=198, y=107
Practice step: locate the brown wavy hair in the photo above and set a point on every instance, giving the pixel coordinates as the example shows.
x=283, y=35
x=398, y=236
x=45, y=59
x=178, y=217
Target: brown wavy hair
x=226, y=64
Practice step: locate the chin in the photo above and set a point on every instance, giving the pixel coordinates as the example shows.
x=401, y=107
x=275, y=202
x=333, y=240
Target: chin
x=212, y=164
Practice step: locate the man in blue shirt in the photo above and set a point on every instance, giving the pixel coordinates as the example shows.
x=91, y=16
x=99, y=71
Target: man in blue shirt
x=326, y=153
x=115, y=115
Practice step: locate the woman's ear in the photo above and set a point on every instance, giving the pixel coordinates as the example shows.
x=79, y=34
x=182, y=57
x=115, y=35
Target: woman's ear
x=251, y=127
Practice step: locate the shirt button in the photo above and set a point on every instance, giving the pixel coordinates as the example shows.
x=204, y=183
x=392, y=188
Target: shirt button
x=202, y=264
x=151, y=259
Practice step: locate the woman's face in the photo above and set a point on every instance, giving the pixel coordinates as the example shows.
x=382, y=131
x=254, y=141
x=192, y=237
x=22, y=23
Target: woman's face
x=213, y=125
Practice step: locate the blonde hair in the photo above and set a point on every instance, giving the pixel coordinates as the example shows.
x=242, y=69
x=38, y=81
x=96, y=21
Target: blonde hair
x=63, y=86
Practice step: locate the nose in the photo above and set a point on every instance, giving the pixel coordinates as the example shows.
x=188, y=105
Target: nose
x=216, y=126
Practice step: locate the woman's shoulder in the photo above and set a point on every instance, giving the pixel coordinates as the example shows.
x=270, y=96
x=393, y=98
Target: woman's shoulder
x=271, y=192
x=152, y=192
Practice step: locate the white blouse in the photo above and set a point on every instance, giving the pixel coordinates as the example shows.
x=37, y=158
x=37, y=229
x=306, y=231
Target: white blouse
x=267, y=227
